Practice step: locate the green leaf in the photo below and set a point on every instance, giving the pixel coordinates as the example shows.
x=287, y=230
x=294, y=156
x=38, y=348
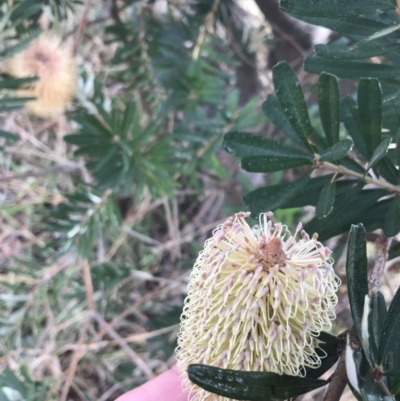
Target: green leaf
x=15, y=83
x=379, y=152
x=273, y=110
x=350, y=118
x=388, y=171
x=369, y=97
x=349, y=68
x=398, y=148
x=394, y=251
x=9, y=135
x=329, y=106
x=363, y=51
x=290, y=95
x=253, y=386
x=243, y=144
x=376, y=321
x=335, y=8
x=337, y=151
x=270, y=198
x=326, y=200
x=266, y=164
x=21, y=45
x=391, y=328
x=356, y=271
x=392, y=218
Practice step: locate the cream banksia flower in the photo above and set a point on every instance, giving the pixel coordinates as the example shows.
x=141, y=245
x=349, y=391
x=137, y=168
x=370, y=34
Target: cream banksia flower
x=51, y=61
x=257, y=300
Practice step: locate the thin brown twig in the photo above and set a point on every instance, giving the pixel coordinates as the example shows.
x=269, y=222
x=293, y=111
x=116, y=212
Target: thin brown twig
x=79, y=351
x=120, y=341
x=369, y=180
x=82, y=26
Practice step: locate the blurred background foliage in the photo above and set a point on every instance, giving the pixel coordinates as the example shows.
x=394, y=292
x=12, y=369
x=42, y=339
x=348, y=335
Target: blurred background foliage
x=104, y=210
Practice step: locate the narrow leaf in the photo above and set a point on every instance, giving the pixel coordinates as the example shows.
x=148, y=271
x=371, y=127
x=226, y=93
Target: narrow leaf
x=391, y=328
x=329, y=106
x=363, y=51
x=356, y=271
x=349, y=68
x=9, y=135
x=290, y=95
x=337, y=151
x=369, y=98
x=253, y=386
x=376, y=320
x=267, y=164
x=273, y=198
x=15, y=83
x=243, y=144
x=379, y=152
x=335, y=8
x=273, y=110
x=351, y=119
x=326, y=200
x=392, y=218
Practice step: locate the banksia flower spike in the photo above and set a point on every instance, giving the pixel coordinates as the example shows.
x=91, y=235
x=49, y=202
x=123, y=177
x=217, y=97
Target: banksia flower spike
x=47, y=58
x=257, y=300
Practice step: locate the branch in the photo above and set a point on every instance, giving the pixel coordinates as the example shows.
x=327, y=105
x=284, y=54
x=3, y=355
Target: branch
x=345, y=171
x=338, y=380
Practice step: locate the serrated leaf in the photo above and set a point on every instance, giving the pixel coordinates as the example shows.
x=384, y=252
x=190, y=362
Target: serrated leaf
x=291, y=98
x=349, y=68
x=243, y=144
x=273, y=198
x=391, y=328
x=392, y=218
x=253, y=386
x=379, y=152
x=356, y=272
x=267, y=164
x=329, y=106
x=335, y=8
x=326, y=200
x=273, y=110
x=337, y=151
x=369, y=98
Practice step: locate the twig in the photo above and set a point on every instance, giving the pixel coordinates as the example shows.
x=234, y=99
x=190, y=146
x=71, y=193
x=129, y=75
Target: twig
x=120, y=341
x=82, y=25
x=210, y=18
x=382, y=246
x=369, y=180
x=79, y=351
x=338, y=380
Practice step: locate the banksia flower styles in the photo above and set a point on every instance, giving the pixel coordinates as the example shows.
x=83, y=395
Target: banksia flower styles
x=52, y=62
x=257, y=300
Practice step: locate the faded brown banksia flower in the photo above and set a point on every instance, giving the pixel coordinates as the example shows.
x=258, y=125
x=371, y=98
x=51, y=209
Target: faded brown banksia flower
x=257, y=300
x=51, y=61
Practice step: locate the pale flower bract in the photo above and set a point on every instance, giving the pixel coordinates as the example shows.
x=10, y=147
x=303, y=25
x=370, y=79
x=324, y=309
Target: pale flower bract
x=257, y=299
